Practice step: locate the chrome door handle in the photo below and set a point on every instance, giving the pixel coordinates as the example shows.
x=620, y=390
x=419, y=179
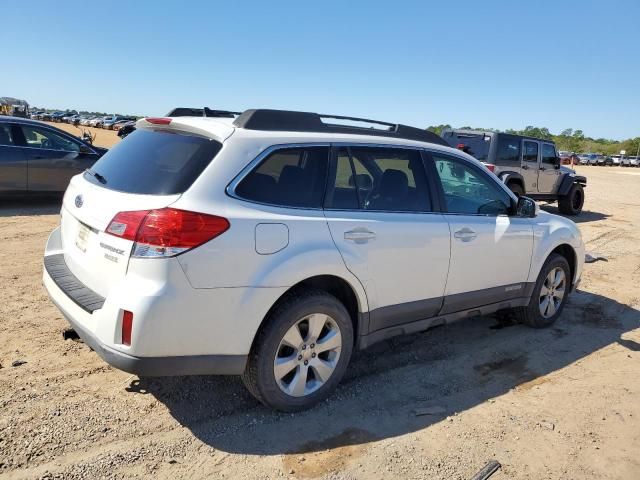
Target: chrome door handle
x=465, y=234
x=359, y=235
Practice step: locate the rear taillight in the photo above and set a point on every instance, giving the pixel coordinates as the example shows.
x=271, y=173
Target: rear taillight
x=158, y=120
x=127, y=326
x=490, y=166
x=166, y=232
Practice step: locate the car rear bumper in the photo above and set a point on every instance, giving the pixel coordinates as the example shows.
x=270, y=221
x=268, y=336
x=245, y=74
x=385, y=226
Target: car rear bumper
x=199, y=341
x=143, y=366
x=151, y=366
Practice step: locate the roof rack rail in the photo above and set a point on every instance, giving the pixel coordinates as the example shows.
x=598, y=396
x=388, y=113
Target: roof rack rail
x=291, y=121
x=201, y=112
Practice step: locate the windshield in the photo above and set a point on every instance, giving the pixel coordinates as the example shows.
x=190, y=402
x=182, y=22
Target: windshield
x=154, y=162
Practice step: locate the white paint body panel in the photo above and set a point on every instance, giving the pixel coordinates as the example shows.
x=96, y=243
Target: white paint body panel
x=406, y=259
x=500, y=254
x=212, y=299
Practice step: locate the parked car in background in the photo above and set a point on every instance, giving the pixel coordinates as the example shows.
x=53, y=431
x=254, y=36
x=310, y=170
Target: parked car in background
x=110, y=121
x=97, y=122
x=634, y=161
x=126, y=128
x=192, y=250
x=528, y=166
x=608, y=161
x=600, y=159
x=37, y=157
x=584, y=159
x=67, y=117
x=616, y=160
x=116, y=126
x=568, y=158
x=624, y=161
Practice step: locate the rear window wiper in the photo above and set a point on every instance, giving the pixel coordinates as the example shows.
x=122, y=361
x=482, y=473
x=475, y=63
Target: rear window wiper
x=97, y=176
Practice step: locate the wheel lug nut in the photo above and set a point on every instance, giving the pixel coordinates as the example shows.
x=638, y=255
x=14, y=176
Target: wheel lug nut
x=299, y=357
x=313, y=345
x=306, y=362
x=313, y=355
x=304, y=347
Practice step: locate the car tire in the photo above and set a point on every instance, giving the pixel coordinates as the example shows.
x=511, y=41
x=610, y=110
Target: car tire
x=572, y=202
x=544, y=307
x=516, y=188
x=297, y=383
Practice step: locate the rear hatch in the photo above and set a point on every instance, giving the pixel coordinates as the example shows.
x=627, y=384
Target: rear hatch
x=149, y=170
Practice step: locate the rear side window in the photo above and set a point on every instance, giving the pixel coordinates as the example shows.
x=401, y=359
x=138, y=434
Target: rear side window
x=508, y=151
x=289, y=177
x=154, y=162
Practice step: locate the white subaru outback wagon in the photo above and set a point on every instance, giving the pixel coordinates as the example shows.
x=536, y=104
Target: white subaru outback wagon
x=271, y=244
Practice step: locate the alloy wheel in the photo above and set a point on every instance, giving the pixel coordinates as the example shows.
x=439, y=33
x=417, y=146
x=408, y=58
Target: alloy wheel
x=552, y=292
x=307, y=355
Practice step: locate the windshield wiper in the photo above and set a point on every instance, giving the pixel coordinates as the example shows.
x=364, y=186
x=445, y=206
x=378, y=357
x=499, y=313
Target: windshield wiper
x=97, y=176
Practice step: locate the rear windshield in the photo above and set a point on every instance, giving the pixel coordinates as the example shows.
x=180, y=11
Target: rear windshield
x=154, y=162
x=476, y=145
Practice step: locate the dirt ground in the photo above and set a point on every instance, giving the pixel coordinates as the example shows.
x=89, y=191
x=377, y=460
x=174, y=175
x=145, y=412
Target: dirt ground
x=103, y=138
x=558, y=403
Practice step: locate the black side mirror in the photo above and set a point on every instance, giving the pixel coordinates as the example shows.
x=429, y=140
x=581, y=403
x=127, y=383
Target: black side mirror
x=527, y=207
x=557, y=162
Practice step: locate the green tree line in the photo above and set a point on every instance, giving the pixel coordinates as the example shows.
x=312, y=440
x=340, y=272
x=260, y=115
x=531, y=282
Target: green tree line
x=569, y=139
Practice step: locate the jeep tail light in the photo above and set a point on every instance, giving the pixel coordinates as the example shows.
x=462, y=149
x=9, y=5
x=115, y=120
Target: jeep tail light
x=127, y=326
x=166, y=232
x=490, y=166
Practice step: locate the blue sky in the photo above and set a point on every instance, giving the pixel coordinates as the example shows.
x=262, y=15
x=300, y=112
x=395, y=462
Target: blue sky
x=501, y=64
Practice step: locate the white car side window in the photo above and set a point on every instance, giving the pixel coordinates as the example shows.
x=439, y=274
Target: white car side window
x=467, y=191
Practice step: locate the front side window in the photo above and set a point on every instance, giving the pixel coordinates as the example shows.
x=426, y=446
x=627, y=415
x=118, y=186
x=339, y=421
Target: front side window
x=508, y=150
x=530, y=153
x=42, y=138
x=289, y=177
x=468, y=191
x=380, y=179
x=548, y=154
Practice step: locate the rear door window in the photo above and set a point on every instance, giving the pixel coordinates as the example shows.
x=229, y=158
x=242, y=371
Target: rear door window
x=154, y=162
x=288, y=177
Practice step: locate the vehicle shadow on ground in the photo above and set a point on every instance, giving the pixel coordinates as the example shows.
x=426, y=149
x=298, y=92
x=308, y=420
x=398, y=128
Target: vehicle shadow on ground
x=448, y=369
x=28, y=206
x=584, y=217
